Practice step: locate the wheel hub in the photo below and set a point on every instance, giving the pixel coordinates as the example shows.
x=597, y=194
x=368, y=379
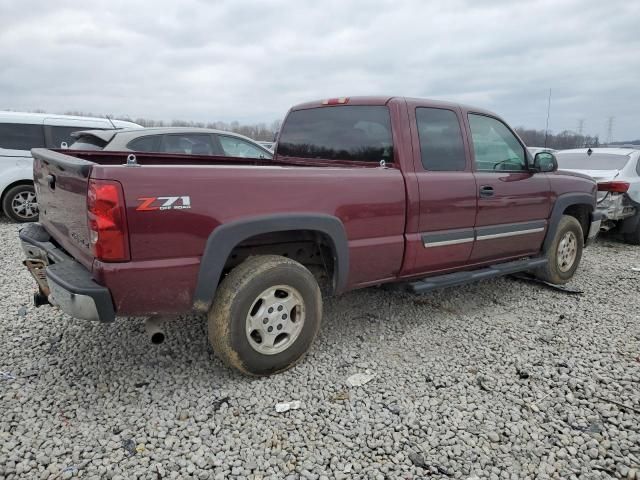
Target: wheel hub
x=275, y=319
x=25, y=205
x=567, y=251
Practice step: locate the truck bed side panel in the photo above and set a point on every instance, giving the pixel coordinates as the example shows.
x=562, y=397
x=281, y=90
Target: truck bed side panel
x=165, y=244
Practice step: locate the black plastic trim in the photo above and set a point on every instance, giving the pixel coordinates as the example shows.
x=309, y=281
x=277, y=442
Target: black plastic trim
x=67, y=273
x=562, y=202
x=509, y=228
x=471, y=276
x=227, y=236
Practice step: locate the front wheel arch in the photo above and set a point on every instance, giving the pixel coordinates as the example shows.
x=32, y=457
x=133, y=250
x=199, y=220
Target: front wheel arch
x=562, y=206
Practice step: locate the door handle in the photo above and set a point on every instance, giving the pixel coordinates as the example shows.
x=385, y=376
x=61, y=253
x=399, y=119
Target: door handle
x=486, y=191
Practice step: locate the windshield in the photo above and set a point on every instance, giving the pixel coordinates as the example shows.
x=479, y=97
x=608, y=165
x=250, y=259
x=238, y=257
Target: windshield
x=361, y=133
x=595, y=161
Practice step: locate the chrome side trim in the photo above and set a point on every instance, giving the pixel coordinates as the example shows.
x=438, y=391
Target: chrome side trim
x=510, y=234
x=446, y=242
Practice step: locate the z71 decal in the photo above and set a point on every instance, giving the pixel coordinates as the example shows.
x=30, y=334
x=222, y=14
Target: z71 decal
x=163, y=203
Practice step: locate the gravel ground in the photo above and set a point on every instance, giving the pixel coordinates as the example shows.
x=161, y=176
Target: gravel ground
x=502, y=380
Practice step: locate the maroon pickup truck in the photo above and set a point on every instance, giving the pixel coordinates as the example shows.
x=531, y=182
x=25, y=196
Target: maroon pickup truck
x=362, y=191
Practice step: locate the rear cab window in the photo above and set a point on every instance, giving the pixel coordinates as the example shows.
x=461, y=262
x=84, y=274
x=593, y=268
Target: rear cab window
x=353, y=133
x=21, y=136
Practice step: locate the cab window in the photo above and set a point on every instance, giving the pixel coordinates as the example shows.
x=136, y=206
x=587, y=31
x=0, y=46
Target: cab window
x=441, y=145
x=495, y=146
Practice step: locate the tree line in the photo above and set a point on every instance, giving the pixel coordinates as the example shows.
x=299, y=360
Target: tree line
x=559, y=141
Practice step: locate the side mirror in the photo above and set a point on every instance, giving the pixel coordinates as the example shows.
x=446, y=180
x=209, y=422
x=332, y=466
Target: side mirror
x=545, y=162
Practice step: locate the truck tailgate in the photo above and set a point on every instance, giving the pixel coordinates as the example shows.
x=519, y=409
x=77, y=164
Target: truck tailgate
x=61, y=183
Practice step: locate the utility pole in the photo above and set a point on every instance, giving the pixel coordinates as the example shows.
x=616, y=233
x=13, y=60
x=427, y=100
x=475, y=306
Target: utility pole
x=580, y=126
x=610, y=129
x=546, y=128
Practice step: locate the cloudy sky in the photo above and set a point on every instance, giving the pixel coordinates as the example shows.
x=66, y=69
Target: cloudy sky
x=250, y=60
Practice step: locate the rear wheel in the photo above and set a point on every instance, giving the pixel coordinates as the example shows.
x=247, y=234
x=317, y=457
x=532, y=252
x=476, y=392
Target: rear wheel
x=565, y=252
x=20, y=204
x=265, y=315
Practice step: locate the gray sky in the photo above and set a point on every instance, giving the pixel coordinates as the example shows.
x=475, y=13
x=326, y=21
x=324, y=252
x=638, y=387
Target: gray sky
x=251, y=60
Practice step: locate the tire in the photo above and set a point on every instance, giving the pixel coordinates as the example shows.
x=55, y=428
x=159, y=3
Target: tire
x=242, y=303
x=634, y=237
x=562, y=264
x=19, y=203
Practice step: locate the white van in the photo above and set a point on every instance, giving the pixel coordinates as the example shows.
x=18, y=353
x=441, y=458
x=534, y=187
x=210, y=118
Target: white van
x=19, y=133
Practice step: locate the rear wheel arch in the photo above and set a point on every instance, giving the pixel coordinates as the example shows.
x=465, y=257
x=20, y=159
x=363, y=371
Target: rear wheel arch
x=227, y=237
x=14, y=184
x=578, y=205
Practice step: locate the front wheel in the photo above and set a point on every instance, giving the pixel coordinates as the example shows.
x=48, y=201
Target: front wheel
x=565, y=252
x=20, y=205
x=265, y=315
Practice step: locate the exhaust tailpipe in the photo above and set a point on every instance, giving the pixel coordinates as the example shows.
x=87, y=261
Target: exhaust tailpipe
x=154, y=328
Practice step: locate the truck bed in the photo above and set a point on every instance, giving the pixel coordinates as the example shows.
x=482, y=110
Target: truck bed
x=169, y=243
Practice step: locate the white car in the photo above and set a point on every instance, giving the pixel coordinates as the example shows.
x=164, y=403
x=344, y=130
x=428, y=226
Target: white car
x=19, y=133
x=617, y=171
x=534, y=150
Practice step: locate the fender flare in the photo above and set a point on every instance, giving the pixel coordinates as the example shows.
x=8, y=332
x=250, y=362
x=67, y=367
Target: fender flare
x=562, y=202
x=227, y=236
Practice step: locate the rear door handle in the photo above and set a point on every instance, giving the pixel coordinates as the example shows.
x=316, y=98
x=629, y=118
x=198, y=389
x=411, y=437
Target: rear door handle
x=486, y=191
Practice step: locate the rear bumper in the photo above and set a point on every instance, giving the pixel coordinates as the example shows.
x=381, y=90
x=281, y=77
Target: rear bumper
x=65, y=282
x=594, y=227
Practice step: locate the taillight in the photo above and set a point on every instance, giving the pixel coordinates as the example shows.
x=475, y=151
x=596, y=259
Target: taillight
x=615, y=186
x=107, y=221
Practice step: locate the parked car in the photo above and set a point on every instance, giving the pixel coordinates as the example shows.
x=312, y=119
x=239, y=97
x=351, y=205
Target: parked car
x=184, y=140
x=617, y=171
x=362, y=191
x=19, y=133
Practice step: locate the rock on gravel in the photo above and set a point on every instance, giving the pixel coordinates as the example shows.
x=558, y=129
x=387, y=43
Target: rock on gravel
x=449, y=399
